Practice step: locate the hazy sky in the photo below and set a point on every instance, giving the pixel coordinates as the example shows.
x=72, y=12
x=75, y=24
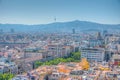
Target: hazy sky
x=44, y=11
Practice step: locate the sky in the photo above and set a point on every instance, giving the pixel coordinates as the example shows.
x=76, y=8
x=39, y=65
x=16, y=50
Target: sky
x=45, y=11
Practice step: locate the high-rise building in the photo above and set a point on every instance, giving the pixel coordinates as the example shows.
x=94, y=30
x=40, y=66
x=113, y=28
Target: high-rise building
x=73, y=31
x=98, y=35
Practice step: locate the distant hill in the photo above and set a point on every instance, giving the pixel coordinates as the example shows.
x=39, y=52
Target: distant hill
x=60, y=27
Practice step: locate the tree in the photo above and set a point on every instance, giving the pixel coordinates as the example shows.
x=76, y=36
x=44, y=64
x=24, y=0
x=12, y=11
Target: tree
x=76, y=55
x=84, y=64
x=6, y=76
x=38, y=63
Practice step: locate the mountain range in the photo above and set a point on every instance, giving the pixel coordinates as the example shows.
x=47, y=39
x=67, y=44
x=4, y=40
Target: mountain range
x=60, y=27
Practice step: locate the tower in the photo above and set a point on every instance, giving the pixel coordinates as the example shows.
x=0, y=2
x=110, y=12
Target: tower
x=73, y=31
x=98, y=36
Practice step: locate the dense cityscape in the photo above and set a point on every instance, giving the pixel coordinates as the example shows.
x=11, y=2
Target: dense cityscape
x=60, y=56
x=59, y=39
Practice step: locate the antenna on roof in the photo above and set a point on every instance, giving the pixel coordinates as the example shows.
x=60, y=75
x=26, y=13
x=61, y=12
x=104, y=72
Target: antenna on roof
x=55, y=19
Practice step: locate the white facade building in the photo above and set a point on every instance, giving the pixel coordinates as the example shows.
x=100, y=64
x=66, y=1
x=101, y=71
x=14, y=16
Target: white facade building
x=93, y=54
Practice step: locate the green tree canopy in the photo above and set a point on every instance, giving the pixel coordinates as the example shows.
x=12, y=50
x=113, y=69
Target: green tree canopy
x=74, y=57
x=6, y=76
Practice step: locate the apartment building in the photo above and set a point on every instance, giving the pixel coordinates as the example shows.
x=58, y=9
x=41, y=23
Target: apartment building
x=93, y=54
x=58, y=50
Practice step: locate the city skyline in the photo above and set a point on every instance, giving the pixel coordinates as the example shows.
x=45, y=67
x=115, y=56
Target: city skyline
x=44, y=11
x=59, y=39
